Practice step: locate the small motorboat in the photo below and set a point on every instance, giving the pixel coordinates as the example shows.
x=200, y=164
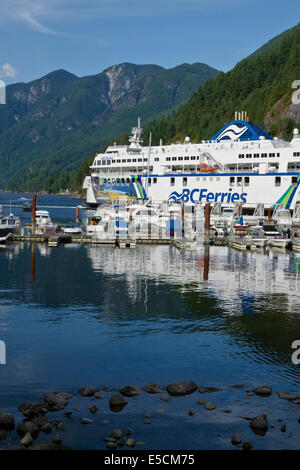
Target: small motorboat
x=27, y=206
x=259, y=242
x=279, y=242
x=72, y=230
x=43, y=223
x=9, y=225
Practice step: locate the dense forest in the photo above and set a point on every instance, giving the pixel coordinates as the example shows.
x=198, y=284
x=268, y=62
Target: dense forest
x=49, y=125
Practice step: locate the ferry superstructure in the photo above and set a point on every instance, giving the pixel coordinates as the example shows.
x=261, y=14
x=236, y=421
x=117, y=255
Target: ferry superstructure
x=241, y=163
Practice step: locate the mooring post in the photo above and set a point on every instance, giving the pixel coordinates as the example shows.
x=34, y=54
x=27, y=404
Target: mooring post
x=77, y=214
x=269, y=215
x=207, y=224
x=33, y=212
x=206, y=263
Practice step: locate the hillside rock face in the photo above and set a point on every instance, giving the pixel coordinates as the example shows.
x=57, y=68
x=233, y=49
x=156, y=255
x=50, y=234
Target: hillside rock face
x=282, y=109
x=49, y=125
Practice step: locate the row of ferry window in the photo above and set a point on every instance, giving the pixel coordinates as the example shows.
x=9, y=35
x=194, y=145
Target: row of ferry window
x=237, y=180
x=128, y=160
x=135, y=160
x=257, y=155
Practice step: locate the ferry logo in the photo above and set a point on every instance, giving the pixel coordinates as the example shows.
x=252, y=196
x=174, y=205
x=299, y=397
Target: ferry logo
x=232, y=132
x=202, y=195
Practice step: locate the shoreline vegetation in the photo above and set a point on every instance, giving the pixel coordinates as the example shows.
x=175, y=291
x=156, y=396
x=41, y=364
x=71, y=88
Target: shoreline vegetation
x=52, y=417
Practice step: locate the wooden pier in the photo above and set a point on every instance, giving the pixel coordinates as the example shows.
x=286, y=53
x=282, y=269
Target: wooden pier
x=54, y=241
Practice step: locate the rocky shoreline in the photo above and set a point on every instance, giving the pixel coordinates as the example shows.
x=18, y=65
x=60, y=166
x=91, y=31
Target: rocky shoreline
x=39, y=418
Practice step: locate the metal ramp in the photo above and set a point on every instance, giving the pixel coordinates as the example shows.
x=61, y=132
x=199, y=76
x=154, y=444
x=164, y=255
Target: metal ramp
x=259, y=210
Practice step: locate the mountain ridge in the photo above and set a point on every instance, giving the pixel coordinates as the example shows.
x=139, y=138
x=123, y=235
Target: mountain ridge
x=50, y=124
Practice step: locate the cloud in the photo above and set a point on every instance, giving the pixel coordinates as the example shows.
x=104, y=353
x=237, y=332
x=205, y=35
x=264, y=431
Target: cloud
x=33, y=22
x=7, y=70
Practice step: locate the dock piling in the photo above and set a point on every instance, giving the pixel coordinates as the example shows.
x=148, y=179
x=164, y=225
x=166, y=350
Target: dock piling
x=33, y=212
x=207, y=224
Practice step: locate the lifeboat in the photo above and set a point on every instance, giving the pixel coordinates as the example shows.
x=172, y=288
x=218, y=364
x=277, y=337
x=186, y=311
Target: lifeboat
x=205, y=167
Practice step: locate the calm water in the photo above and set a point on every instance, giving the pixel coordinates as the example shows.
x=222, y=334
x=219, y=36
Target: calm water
x=110, y=317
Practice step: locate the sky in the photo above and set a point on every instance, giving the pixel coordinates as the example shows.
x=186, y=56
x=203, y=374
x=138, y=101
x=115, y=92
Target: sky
x=87, y=36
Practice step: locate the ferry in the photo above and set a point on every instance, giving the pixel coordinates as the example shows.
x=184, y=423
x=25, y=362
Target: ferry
x=240, y=164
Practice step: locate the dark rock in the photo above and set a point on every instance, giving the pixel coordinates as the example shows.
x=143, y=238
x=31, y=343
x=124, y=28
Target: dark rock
x=247, y=445
x=210, y=406
x=28, y=426
x=130, y=391
x=181, y=388
x=117, y=403
x=60, y=426
x=111, y=445
x=57, y=400
x=93, y=408
x=7, y=421
x=120, y=442
x=57, y=439
x=153, y=388
x=166, y=398
x=88, y=391
x=192, y=412
x=39, y=420
x=283, y=428
x=208, y=389
x=130, y=442
x=147, y=421
x=47, y=428
x=236, y=439
x=259, y=424
x=128, y=431
x=33, y=409
x=288, y=396
x=86, y=421
x=201, y=402
x=238, y=386
x=68, y=414
x=227, y=411
x=27, y=440
x=97, y=395
x=263, y=390
x=109, y=439
x=116, y=434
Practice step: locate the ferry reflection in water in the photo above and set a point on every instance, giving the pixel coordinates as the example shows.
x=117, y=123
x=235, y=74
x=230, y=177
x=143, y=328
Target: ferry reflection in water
x=237, y=279
x=110, y=316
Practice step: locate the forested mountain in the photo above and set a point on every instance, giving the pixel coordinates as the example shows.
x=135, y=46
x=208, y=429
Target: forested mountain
x=49, y=125
x=260, y=84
